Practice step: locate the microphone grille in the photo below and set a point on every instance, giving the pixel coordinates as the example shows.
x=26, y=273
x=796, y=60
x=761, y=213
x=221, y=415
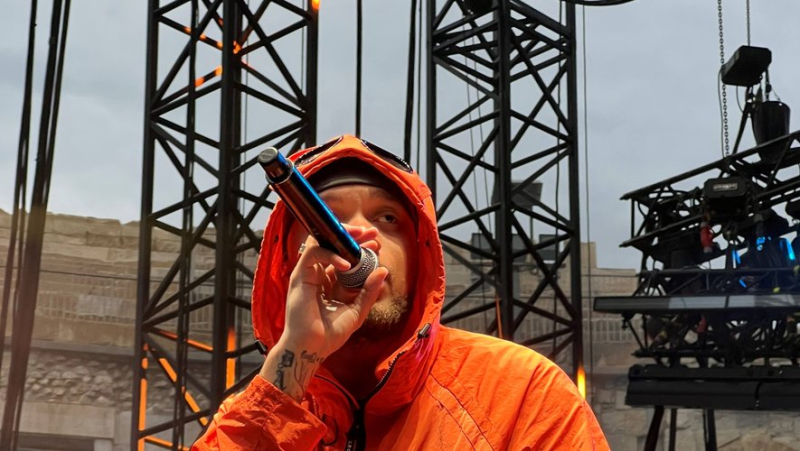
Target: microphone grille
x=356, y=276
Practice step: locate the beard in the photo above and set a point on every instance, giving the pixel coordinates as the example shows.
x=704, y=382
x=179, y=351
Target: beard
x=385, y=320
x=385, y=315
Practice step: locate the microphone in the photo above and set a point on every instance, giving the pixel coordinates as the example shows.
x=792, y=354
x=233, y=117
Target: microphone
x=307, y=207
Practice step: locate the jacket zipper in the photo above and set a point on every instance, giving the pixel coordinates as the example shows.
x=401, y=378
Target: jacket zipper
x=357, y=435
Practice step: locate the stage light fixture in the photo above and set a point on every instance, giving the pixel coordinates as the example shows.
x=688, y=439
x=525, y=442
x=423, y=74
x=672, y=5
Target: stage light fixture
x=746, y=66
x=770, y=121
x=727, y=197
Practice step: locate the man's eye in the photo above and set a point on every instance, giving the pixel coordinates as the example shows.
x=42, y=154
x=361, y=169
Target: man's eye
x=387, y=218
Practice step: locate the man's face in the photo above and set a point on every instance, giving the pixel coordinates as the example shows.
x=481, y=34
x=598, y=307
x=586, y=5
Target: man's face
x=368, y=206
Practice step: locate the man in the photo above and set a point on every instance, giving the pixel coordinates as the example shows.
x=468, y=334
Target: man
x=373, y=368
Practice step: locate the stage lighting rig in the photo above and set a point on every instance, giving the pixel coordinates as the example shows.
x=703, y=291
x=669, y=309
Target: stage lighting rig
x=718, y=302
x=714, y=329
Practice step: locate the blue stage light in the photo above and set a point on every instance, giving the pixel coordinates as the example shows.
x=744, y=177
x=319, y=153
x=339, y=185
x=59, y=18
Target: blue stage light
x=789, y=250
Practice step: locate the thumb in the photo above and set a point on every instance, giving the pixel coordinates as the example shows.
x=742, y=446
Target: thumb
x=369, y=293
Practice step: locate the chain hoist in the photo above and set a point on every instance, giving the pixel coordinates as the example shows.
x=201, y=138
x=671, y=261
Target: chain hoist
x=726, y=139
x=747, y=7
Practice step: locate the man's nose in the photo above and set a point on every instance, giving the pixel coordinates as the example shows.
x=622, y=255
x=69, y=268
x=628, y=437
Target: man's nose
x=361, y=221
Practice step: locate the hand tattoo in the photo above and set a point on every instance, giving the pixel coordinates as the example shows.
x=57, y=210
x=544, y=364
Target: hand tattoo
x=287, y=360
x=306, y=365
x=302, y=372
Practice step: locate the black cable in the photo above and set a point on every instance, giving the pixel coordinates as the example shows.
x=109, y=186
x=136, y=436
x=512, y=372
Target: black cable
x=56, y=100
x=31, y=262
x=588, y=203
x=50, y=155
x=742, y=124
x=359, y=50
x=302, y=55
x=21, y=179
x=721, y=114
x=597, y=2
x=412, y=47
x=558, y=186
x=475, y=176
x=419, y=89
x=185, y=258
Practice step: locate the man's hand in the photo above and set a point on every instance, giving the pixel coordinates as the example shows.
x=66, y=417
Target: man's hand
x=321, y=315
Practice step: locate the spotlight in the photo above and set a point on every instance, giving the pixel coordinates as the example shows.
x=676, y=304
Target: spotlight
x=746, y=66
x=727, y=197
x=770, y=121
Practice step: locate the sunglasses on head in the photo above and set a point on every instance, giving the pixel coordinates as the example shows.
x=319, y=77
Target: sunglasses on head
x=383, y=154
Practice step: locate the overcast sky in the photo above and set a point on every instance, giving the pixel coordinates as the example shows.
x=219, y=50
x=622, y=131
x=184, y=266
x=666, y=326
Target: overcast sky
x=652, y=103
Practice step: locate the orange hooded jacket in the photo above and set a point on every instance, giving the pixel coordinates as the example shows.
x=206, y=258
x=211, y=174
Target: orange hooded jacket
x=444, y=389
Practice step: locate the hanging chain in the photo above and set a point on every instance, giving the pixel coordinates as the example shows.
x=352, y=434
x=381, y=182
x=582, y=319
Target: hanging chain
x=747, y=5
x=724, y=92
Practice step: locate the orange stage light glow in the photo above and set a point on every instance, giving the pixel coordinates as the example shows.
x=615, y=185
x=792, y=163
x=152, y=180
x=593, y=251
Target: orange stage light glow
x=582, y=382
x=173, y=376
x=142, y=400
x=315, y=4
x=230, y=367
x=200, y=80
x=163, y=443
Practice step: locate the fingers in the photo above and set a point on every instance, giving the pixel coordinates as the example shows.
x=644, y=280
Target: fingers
x=364, y=236
x=364, y=233
x=313, y=259
x=369, y=293
x=316, y=265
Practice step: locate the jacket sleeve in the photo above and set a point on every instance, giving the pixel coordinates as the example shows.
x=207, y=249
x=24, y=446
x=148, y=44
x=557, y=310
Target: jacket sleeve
x=261, y=417
x=555, y=416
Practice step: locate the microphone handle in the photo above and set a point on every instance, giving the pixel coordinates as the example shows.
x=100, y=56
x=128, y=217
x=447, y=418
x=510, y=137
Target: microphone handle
x=309, y=209
x=316, y=217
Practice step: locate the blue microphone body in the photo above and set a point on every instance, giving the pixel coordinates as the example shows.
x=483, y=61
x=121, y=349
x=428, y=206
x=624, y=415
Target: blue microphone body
x=309, y=209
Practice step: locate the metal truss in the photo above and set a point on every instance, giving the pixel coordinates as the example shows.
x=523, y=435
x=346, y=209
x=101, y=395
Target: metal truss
x=209, y=63
x=744, y=312
x=518, y=68
x=673, y=208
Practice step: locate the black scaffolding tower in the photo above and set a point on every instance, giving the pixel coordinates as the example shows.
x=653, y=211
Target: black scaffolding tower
x=209, y=63
x=515, y=134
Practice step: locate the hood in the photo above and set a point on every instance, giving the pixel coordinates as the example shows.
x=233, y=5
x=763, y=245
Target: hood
x=270, y=284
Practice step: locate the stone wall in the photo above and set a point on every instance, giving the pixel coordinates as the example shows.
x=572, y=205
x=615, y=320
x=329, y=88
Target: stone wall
x=78, y=376
x=75, y=378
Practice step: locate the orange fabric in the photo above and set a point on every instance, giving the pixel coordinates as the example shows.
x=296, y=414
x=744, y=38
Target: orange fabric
x=447, y=389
